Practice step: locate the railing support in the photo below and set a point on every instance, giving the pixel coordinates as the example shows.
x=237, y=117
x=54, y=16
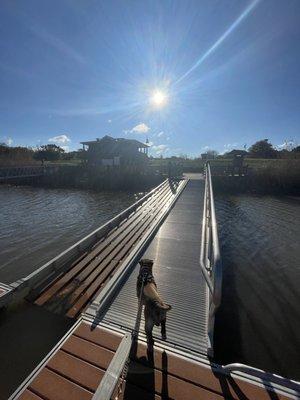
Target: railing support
x=210, y=258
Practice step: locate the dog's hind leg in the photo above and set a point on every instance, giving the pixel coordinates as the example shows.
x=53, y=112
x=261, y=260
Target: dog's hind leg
x=149, y=324
x=163, y=329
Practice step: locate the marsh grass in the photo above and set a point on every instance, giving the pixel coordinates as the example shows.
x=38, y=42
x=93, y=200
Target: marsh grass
x=264, y=176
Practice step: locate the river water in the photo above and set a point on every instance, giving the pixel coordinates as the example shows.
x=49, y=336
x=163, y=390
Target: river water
x=36, y=224
x=258, y=321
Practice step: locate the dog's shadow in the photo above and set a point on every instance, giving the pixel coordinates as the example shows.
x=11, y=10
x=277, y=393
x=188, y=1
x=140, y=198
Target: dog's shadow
x=143, y=377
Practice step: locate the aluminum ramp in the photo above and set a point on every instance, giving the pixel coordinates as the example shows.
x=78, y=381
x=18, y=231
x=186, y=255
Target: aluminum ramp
x=175, y=249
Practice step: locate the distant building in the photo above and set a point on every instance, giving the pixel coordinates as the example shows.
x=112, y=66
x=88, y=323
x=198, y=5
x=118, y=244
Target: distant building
x=109, y=151
x=235, y=152
x=208, y=156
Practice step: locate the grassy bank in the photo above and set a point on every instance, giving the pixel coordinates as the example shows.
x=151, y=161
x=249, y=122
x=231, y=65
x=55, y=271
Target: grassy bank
x=100, y=179
x=264, y=177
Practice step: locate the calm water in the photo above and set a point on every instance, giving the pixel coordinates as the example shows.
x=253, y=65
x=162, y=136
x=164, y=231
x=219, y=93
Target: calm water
x=259, y=320
x=37, y=224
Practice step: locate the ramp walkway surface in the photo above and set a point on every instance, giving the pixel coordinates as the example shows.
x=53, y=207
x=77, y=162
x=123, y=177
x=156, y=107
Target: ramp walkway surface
x=175, y=250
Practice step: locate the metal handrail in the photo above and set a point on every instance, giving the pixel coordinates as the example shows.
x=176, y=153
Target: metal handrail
x=210, y=256
x=261, y=374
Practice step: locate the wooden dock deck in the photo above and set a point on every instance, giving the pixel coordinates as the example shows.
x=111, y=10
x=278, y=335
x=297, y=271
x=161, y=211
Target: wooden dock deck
x=77, y=366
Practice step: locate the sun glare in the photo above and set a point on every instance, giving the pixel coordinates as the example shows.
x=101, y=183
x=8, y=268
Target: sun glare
x=158, y=98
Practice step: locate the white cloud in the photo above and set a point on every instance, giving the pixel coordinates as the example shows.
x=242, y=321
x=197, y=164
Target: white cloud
x=230, y=146
x=66, y=148
x=140, y=128
x=109, y=121
x=205, y=148
x=160, y=149
x=160, y=134
x=287, y=145
x=61, y=139
x=7, y=140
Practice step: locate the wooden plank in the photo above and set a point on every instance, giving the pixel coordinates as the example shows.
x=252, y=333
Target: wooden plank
x=107, y=266
x=95, y=287
x=197, y=373
x=79, y=371
x=111, y=250
x=120, y=252
x=28, y=395
x=132, y=392
x=203, y=375
x=167, y=385
x=52, y=386
x=100, y=336
x=96, y=251
x=88, y=352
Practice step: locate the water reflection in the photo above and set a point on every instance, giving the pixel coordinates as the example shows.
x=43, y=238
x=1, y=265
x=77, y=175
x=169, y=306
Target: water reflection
x=36, y=224
x=259, y=320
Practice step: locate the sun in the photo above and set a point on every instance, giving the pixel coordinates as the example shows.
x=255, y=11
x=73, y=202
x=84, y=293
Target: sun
x=158, y=98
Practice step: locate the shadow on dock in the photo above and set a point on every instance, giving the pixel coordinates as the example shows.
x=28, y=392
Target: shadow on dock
x=27, y=335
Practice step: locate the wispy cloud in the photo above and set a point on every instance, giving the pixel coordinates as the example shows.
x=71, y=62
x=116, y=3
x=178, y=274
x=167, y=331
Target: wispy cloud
x=160, y=149
x=61, y=139
x=7, y=140
x=205, y=148
x=160, y=134
x=230, y=146
x=139, y=129
x=57, y=43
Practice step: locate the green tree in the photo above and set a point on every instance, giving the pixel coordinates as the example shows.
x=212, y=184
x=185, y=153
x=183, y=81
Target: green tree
x=49, y=152
x=262, y=149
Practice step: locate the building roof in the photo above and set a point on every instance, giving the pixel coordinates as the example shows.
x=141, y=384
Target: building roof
x=135, y=142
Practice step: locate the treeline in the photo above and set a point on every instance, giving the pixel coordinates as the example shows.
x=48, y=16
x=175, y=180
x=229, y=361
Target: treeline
x=260, y=149
x=29, y=156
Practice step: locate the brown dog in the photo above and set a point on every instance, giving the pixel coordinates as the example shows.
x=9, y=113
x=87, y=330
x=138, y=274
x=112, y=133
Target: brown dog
x=155, y=311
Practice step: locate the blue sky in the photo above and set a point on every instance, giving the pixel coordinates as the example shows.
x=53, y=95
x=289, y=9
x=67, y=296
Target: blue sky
x=74, y=70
